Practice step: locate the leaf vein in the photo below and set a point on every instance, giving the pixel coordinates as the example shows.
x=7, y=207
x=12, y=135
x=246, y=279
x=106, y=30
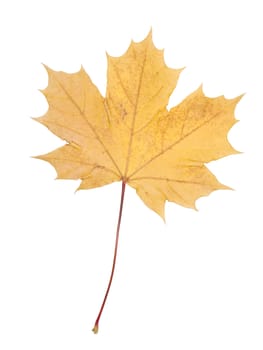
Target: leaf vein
x=89, y=124
x=166, y=179
x=172, y=145
x=84, y=163
x=135, y=113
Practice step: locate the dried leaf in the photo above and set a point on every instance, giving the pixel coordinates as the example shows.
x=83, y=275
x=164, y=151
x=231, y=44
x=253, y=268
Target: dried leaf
x=130, y=135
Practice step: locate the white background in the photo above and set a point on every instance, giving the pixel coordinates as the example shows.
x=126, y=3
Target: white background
x=192, y=283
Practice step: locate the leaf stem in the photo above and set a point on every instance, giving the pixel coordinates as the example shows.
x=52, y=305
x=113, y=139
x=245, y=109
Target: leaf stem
x=96, y=325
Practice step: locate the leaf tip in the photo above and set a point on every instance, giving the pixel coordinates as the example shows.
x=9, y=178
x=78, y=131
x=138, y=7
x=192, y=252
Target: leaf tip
x=148, y=38
x=150, y=34
x=195, y=207
x=77, y=190
x=162, y=215
x=42, y=157
x=38, y=119
x=160, y=212
x=34, y=157
x=35, y=118
x=228, y=188
x=45, y=66
x=201, y=88
x=238, y=98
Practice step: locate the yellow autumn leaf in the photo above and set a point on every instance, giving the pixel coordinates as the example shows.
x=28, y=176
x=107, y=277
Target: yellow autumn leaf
x=130, y=135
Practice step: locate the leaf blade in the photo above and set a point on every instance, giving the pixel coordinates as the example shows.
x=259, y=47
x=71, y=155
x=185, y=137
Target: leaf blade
x=130, y=135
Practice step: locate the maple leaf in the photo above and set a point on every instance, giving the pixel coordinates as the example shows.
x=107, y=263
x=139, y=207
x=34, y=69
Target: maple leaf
x=131, y=136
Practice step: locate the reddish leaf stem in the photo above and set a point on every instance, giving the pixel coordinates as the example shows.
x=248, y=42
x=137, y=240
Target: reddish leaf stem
x=96, y=325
